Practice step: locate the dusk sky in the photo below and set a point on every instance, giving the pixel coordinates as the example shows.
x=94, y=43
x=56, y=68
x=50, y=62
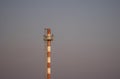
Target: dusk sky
x=86, y=39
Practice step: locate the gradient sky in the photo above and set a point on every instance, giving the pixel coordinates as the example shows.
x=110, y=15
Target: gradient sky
x=86, y=43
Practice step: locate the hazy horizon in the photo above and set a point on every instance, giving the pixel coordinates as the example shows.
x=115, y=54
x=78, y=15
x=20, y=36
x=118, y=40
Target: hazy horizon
x=86, y=38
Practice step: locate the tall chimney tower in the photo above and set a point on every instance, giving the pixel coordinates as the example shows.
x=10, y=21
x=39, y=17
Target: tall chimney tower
x=48, y=37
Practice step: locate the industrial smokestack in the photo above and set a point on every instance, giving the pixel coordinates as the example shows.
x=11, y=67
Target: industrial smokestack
x=48, y=37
